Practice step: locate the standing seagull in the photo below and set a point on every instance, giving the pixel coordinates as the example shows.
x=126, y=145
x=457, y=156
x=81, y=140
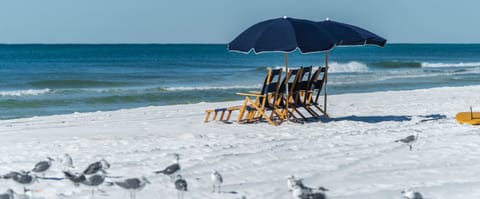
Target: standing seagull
x=172, y=169
x=43, y=166
x=67, y=162
x=410, y=194
x=10, y=175
x=409, y=140
x=8, y=195
x=217, y=180
x=76, y=179
x=95, y=167
x=25, y=179
x=181, y=186
x=94, y=181
x=292, y=182
x=133, y=185
x=306, y=193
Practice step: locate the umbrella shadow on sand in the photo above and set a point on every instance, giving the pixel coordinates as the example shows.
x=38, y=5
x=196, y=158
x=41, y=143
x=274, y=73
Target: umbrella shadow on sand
x=384, y=118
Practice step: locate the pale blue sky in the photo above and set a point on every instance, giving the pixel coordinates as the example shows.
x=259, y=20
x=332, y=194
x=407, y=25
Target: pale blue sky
x=219, y=21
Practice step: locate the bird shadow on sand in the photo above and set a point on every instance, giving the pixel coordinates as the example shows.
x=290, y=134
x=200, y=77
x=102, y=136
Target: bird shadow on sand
x=432, y=117
x=226, y=192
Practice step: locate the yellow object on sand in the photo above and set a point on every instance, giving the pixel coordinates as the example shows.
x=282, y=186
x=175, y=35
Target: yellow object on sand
x=468, y=118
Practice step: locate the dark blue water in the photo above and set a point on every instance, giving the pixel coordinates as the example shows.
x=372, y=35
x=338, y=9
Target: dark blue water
x=55, y=79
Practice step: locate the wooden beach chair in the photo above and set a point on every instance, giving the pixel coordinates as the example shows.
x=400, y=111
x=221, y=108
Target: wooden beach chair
x=303, y=91
x=256, y=104
x=315, y=90
x=287, y=103
x=248, y=111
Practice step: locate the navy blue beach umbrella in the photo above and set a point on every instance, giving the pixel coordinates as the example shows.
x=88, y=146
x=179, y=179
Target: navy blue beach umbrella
x=289, y=34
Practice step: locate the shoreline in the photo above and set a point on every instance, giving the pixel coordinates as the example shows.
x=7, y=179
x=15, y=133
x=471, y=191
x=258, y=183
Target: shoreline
x=229, y=103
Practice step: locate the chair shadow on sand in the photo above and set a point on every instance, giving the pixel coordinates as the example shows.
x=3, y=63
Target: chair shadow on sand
x=384, y=118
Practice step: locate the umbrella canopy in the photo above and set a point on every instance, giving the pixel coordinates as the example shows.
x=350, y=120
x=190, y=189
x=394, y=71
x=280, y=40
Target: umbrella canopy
x=284, y=35
x=346, y=34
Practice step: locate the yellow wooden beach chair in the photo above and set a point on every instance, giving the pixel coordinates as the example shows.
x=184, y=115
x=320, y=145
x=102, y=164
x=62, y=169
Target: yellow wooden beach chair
x=255, y=103
x=287, y=103
x=315, y=90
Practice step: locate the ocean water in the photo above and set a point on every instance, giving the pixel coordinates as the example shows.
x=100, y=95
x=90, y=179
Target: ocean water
x=40, y=80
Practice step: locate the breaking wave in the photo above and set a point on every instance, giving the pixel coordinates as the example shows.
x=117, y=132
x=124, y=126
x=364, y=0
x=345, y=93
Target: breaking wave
x=349, y=67
x=194, y=88
x=459, y=64
x=17, y=93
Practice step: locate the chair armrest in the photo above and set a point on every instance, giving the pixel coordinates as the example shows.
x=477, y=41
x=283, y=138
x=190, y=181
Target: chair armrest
x=250, y=94
x=254, y=92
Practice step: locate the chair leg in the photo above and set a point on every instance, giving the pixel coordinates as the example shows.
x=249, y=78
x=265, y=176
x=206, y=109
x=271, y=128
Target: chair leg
x=207, y=115
x=221, y=115
x=269, y=120
x=214, y=115
x=229, y=114
x=242, y=110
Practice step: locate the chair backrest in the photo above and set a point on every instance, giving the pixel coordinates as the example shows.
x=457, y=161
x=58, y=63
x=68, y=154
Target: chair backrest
x=305, y=78
x=270, y=89
x=317, y=81
x=292, y=78
x=272, y=81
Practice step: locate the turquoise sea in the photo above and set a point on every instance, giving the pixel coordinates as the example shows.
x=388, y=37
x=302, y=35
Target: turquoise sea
x=40, y=80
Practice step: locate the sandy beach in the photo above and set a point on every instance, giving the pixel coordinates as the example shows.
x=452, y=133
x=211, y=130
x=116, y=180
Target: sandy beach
x=353, y=154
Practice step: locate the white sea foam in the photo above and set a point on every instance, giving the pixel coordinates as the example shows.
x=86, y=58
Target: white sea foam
x=25, y=92
x=190, y=88
x=349, y=67
x=459, y=64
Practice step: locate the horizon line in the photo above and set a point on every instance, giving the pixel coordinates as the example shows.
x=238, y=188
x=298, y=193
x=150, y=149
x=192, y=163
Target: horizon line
x=175, y=43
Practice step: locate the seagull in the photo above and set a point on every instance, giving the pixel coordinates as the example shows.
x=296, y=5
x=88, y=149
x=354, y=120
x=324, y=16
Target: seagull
x=67, y=161
x=7, y=195
x=133, y=185
x=410, y=194
x=217, y=180
x=10, y=175
x=94, y=181
x=43, y=166
x=95, y=167
x=172, y=169
x=409, y=140
x=181, y=186
x=25, y=179
x=306, y=193
x=76, y=179
x=292, y=182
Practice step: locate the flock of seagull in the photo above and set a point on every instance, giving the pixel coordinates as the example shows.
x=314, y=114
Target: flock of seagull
x=95, y=175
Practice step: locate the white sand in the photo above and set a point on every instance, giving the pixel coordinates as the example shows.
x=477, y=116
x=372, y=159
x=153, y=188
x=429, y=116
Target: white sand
x=354, y=155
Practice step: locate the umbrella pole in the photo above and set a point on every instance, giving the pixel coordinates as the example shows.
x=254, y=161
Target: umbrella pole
x=286, y=86
x=326, y=80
